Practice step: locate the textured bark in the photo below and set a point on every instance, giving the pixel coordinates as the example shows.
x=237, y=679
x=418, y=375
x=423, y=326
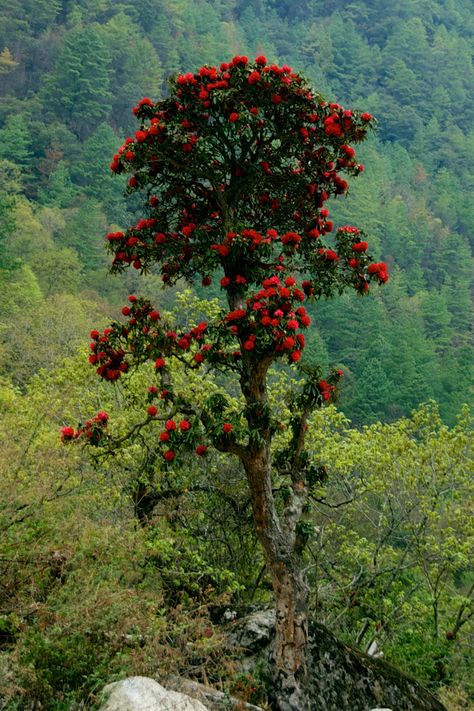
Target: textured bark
x=290, y=669
x=290, y=690
x=277, y=537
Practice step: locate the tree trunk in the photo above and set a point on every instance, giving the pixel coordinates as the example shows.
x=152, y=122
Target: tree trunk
x=277, y=535
x=291, y=638
x=289, y=668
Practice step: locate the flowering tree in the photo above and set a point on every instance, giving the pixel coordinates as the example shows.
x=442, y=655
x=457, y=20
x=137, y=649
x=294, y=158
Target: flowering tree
x=234, y=169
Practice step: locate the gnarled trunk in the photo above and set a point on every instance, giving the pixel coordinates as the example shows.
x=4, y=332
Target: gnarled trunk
x=291, y=638
x=290, y=668
x=277, y=535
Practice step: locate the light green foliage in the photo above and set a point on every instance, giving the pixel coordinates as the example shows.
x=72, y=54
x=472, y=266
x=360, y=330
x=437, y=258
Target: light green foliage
x=87, y=593
x=394, y=564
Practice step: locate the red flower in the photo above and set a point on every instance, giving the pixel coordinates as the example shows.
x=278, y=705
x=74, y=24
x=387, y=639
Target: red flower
x=67, y=433
x=169, y=455
x=206, y=281
x=366, y=116
x=227, y=427
x=152, y=411
x=233, y=117
x=164, y=436
x=225, y=281
x=261, y=59
x=201, y=449
x=254, y=77
x=95, y=334
x=153, y=390
x=291, y=238
x=295, y=356
x=329, y=254
x=198, y=358
x=160, y=363
x=170, y=425
x=292, y=324
x=126, y=311
x=235, y=315
x=379, y=269
x=154, y=315
x=360, y=247
x=184, y=425
x=276, y=99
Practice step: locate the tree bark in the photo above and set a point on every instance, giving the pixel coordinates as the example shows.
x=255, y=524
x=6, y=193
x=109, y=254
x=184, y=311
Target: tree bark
x=289, y=668
x=277, y=535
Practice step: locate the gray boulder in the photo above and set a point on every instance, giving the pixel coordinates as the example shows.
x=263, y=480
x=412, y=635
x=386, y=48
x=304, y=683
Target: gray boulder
x=138, y=693
x=255, y=631
x=214, y=699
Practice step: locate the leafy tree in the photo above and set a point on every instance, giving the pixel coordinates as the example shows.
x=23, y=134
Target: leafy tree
x=394, y=565
x=59, y=191
x=235, y=168
x=91, y=170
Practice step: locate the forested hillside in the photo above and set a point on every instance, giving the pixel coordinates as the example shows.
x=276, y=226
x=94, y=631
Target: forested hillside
x=70, y=73
x=109, y=566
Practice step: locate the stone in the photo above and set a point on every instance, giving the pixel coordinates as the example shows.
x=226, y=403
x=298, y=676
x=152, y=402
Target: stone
x=342, y=678
x=139, y=693
x=255, y=631
x=214, y=699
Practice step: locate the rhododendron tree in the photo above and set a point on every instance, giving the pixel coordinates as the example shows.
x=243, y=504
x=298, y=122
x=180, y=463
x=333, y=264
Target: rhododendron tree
x=234, y=169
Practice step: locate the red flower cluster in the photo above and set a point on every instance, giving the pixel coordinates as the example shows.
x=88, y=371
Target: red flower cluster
x=270, y=322
x=212, y=215
x=379, y=270
x=92, y=430
x=185, y=123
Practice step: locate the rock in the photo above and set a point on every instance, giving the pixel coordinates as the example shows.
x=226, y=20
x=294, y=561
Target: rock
x=214, y=699
x=254, y=631
x=344, y=678
x=340, y=678
x=138, y=693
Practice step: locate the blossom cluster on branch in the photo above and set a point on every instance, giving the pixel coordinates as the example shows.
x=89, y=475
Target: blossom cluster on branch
x=234, y=169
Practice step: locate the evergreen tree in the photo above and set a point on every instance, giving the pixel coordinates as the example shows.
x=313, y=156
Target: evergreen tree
x=79, y=90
